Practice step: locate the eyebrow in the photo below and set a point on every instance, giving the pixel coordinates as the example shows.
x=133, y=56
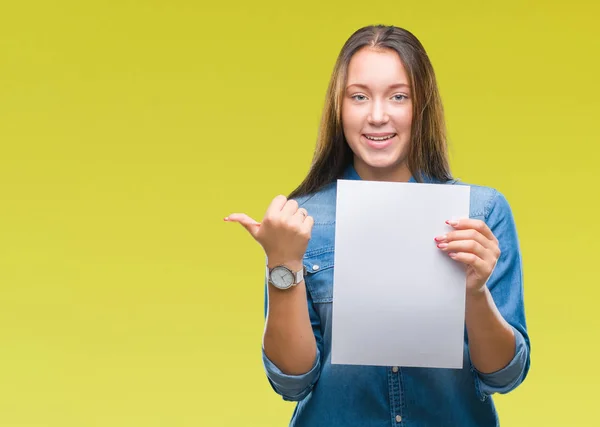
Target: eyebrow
x=394, y=86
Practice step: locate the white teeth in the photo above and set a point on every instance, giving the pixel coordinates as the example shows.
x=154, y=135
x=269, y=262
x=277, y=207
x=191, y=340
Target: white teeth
x=383, y=138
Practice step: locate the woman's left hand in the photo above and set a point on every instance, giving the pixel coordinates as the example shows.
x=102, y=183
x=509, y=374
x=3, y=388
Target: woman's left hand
x=473, y=244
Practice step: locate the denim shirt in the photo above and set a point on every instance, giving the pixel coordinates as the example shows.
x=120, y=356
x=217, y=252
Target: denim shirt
x=377, y=396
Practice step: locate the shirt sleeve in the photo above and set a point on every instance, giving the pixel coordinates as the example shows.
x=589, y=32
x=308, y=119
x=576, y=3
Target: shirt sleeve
x=506, y=287
x=295, y=387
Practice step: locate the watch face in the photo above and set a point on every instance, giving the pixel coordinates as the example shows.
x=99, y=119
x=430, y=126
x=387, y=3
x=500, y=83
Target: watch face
x=282, y=278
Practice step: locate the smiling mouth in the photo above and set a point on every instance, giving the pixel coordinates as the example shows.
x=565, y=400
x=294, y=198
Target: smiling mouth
x=380, y=138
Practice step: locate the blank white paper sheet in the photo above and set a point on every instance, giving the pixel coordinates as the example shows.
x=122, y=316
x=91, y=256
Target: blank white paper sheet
x=398, y=300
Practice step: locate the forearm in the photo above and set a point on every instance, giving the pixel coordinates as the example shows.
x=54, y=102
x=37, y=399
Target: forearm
x=288, y=340
x=491, y=338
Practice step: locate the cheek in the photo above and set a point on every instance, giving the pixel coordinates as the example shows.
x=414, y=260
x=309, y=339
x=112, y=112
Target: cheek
x=404, y=118
x=351, y=119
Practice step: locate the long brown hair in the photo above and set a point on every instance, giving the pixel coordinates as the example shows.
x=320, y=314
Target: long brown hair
x=427, y=152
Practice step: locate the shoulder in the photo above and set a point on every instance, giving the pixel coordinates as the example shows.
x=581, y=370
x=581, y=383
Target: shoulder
x=321, y=204
x=485, y=201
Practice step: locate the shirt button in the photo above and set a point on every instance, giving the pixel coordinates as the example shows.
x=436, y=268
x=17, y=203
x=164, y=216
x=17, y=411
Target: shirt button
x=398, y=418
x=395, y=369
x=316, y=267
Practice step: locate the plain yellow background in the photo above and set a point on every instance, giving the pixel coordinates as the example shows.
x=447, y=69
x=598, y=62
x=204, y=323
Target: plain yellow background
x=129, y=129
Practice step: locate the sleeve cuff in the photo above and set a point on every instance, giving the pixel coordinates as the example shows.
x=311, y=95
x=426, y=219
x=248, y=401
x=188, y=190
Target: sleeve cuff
x=292, y=387
x=507, y=378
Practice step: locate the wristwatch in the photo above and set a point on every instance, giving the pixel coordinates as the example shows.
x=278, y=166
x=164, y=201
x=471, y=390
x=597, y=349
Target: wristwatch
x=282, y=277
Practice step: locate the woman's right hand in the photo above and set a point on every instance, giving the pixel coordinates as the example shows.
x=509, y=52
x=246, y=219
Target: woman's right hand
x=284, y=232
x=288, y=341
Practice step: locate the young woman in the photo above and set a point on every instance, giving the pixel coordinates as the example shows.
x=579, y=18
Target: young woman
x=383, y=120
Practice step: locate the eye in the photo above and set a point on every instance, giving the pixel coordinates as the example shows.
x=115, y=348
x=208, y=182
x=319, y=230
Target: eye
x=358, y=97
x=400, y=97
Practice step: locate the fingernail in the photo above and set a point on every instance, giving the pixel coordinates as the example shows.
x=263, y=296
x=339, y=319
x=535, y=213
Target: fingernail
x=441, y=238
x=442, y=245
x=226, y=219
x=452, y=222
x=452, y=254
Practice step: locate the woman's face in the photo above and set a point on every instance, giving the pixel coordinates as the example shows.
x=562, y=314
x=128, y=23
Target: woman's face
x=377, y=115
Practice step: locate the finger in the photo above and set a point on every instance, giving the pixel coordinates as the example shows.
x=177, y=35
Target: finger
x=468, y=246
x=276, y=205
x=468, y=258
x=476, y=224
x=483, y=268
x=290, y=208
x=248, y=223
x=469, y=234
x=300, y=215
x=308, y=224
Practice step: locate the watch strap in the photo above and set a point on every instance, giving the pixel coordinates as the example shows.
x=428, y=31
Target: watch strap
x=299, y=275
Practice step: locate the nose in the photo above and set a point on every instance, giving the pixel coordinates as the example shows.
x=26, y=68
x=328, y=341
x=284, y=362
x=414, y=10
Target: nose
x=377, y=114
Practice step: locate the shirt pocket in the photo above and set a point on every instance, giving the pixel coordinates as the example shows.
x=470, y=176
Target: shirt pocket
x=319, y=274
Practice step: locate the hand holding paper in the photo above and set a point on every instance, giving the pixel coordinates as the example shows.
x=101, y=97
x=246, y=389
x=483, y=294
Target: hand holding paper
x=475, y=245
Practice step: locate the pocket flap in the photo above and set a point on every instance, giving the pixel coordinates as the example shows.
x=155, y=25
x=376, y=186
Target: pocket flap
x=319, y=274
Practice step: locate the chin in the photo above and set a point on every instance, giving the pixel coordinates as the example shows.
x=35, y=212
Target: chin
x=381, y=162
